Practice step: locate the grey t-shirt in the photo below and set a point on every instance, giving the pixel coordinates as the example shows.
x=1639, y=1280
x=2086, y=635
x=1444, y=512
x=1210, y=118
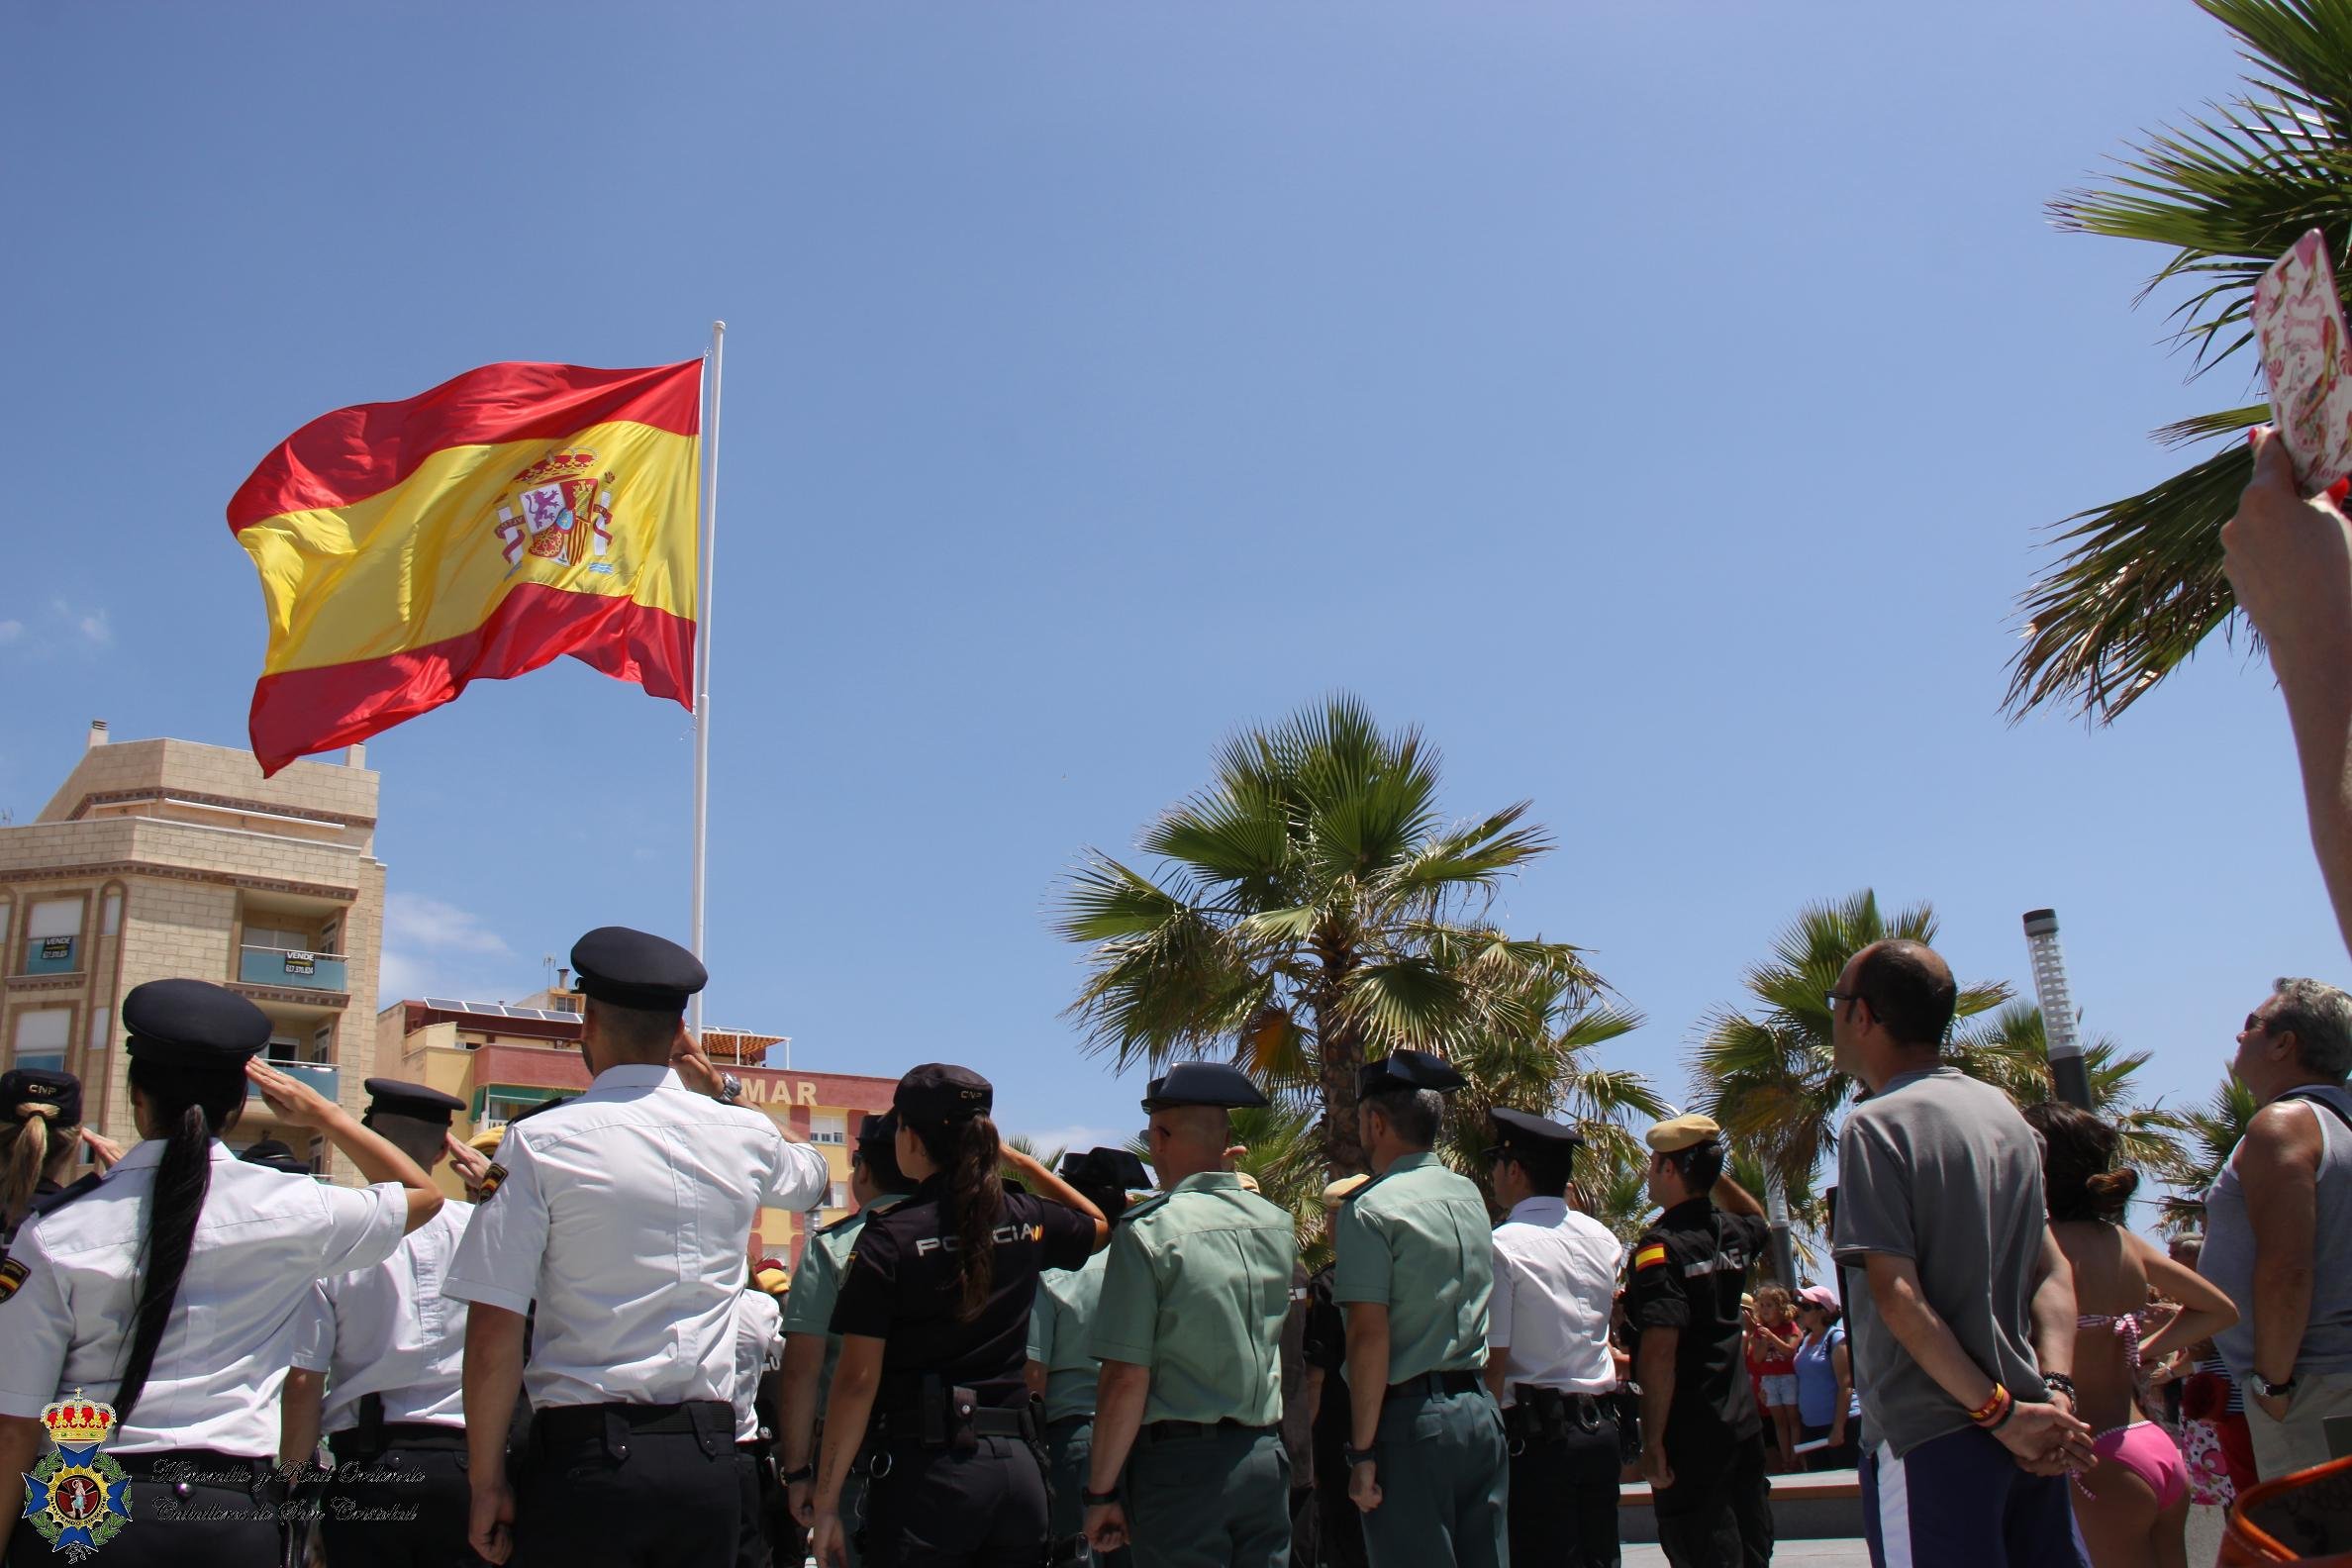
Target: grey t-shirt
x=1941, y=1169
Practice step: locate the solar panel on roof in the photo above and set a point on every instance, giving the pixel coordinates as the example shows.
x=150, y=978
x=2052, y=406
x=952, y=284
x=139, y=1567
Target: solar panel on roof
x=445, y=1004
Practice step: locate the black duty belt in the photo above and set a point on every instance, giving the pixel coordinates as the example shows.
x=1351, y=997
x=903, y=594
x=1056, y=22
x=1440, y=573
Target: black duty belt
x=1163, y=1430
x=938, y=1413
x=358, y=1442
x=712, y=1421
x=1548, y=1415
x=1435, y=1385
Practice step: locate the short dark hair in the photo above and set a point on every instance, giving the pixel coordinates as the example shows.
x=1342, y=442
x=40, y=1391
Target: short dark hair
x=635, y=1031
x=1414, y=1114
x=1910, y=990
x=1698, y=1167
x=1547, y=1174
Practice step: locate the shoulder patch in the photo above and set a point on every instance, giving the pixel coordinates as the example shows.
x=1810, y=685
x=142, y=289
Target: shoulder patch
x=492, y=1179
x=1651, y=1256
x=12, y=1276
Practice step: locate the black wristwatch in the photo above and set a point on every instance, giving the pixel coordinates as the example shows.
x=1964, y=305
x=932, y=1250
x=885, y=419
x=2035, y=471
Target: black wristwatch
x=1357, y=1456
x=1098, y=1499
x=2269, y=1389
x=806, y=1472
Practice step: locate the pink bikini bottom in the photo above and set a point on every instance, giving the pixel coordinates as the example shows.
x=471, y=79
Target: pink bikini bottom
x=2147, y=1452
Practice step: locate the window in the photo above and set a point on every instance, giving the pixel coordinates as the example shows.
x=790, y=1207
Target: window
x=101, y=1021
x=828, y=1127
x=283, y=937
x=839, y=1198
x=110, y=915
x=42, y=1035
x=322, y=1043
x=329, y=935
x=505, y=1108
x=53, y=931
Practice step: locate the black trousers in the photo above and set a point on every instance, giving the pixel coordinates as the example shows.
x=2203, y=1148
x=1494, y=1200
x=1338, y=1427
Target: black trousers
x=1719, y=1511
x=631, y=1486
x=404, y=1507
x=226, y=1515
x=752, y=1548
x=939, y=1508
x=1564, y=1499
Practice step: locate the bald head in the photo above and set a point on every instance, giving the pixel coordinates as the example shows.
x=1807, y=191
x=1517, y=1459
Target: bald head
x=1909, y=990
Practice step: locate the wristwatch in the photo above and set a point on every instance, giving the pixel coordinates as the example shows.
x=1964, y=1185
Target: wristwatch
x=2269, y=1389
x=1097, y=1499
x=731, y=1088
x=1358, y=1456
x=806, y=1472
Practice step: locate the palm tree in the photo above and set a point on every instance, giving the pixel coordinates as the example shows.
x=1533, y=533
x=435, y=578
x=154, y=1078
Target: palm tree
x=1547, y=1068
x=2140, y=585
x=1765, y=1074
x=1312, y=909
x=2011, y=1051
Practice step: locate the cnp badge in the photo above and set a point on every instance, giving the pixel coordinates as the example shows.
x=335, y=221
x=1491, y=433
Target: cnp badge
x=77, y=1496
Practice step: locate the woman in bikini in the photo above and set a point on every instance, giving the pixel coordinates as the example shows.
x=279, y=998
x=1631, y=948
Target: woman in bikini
x=2132, y=1504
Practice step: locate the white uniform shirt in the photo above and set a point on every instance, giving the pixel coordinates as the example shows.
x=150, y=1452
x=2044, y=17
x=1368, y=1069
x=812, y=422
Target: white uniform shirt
x=1555, y=1275
x=623, y=1214
x=261, y=1241
x=390, y=1330
x=759, y=1349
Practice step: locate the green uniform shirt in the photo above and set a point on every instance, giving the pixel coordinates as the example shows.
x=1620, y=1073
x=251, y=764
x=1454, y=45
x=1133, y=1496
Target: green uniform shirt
x=1417, y=1242
x=1058, y=1320
x=809, y=1305
x=1197, y=1288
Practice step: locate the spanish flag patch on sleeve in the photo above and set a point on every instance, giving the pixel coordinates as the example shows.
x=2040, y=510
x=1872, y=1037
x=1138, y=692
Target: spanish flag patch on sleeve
x=491, y=1181
x=12, y=1276
x=1651, y=1256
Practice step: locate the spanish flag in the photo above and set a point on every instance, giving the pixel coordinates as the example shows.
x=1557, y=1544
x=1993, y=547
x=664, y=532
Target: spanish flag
x=473, y=533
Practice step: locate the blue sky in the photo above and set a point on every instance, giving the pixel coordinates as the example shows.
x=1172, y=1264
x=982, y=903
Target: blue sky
x=1657, y=404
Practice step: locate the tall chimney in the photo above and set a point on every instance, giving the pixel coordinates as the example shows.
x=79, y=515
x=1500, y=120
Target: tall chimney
x=97, y=734
x=355, y=754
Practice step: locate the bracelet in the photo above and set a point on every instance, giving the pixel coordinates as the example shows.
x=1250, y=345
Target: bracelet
x=1359, y=1456
x=806, y=1472
x=1988, y=1414
x=2008, y=1408
x=2059, y=1383
x=1098, y=1499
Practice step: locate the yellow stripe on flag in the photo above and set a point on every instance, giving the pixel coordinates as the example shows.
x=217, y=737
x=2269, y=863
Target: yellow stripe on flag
x=1651, y=1256
x=430, y=559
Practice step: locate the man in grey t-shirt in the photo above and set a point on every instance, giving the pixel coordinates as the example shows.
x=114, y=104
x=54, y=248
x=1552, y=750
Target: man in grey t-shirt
x=1964, y=1338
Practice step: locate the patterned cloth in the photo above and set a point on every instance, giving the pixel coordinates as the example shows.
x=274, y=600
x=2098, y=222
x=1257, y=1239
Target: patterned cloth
x=2209, y=1471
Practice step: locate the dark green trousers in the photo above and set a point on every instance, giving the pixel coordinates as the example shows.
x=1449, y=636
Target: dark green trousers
x=1444, y=1474
x=1069, y=1453
x=1215, y=1498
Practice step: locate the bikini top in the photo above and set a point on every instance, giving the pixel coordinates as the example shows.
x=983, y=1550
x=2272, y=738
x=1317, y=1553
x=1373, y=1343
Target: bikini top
x=2128, y=1330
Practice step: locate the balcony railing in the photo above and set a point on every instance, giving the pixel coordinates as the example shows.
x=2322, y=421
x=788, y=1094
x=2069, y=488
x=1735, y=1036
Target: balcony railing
x=286, y=966
x=321, y=1076
x=52, y=954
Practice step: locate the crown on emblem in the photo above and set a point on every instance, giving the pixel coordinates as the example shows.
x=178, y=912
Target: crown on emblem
x=77, y=1421
x=562, y=465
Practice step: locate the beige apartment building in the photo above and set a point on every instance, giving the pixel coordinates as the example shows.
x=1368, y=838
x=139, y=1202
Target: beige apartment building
x=166, y=857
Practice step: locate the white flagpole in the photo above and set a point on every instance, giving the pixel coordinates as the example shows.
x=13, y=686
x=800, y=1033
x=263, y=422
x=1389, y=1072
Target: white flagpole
x=702, y=643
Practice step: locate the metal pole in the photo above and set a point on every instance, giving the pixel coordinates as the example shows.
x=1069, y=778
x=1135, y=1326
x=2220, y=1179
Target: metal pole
x=1776, y=1213
x=706, y=579
x=2067, y=1072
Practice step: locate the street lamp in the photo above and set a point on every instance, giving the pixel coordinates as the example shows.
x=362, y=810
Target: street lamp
x=2065, y=1042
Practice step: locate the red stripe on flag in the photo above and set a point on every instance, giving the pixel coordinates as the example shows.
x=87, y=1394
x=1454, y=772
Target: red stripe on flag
x=356, y=453
x=301, y=712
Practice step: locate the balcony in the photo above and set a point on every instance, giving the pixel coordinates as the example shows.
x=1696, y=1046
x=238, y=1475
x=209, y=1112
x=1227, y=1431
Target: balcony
x=286, y=966
x=321, y=1076
x=46, y=955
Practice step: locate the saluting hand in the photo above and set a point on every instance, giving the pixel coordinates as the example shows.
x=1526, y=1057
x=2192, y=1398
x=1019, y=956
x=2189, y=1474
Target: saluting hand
x=295, y=1103
x=1363, y=1485
x=693, y=1069
x=102, y=1149
x=470, y=1163
x=490, y=1529
x=1105, y=1527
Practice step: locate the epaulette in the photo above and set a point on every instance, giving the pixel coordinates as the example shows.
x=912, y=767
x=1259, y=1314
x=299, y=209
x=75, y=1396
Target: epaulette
x=845, y=1223
x=1140, y=1207
x=1360, y=1191
x=44, y=1203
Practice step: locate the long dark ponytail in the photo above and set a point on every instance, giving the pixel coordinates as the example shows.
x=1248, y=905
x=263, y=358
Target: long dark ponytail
x=968, y=1154
x=189, y=1105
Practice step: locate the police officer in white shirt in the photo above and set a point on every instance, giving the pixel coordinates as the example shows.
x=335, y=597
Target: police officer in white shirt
x=173, y=1290
x=623, y=1213
x=392, y=1348
x=1548, y=1350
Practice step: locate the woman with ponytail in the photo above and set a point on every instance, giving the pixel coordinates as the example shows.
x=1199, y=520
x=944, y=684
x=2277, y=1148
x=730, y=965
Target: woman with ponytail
x=41, y=1116
x=172, y=1289
x=2132, y=1504
x=933, y=1317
